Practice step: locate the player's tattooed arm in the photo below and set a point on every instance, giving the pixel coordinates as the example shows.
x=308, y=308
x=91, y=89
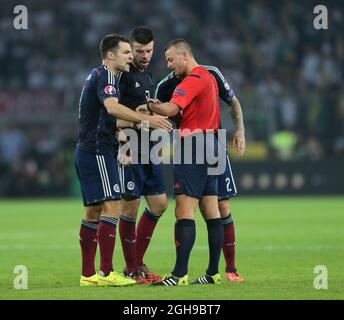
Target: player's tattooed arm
x=238, y=141
x=237, y=115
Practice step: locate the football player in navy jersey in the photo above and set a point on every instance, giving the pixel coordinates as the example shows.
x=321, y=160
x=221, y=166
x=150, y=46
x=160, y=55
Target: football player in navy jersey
x=94, y=162
x=139, y=179
x=226, y=183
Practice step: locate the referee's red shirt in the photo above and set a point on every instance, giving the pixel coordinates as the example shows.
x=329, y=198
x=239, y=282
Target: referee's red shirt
x=198, y=97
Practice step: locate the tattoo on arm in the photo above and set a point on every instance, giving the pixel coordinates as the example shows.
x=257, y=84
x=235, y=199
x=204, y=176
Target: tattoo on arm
x=237, y=115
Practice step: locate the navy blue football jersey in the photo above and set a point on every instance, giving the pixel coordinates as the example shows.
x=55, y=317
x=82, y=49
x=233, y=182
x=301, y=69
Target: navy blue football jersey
x=135, y=87
x=97, y=127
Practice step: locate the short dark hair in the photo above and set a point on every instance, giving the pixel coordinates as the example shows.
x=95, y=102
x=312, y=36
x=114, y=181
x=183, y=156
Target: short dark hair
x=142, y=35
x=180, y=44
x=111, y=42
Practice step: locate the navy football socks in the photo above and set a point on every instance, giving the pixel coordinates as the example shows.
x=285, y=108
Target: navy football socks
x=215, y=240
x=185, y=235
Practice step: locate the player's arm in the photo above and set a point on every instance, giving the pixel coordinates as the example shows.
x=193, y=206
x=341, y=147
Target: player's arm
x=227, y=95
x=108, y=94
x=114, y=108
x=118, y=110
x=124, y=124
x=238, y=141
x=237, y=115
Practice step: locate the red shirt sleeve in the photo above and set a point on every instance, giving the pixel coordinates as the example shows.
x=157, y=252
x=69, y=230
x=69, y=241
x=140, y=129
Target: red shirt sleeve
x=186, y=91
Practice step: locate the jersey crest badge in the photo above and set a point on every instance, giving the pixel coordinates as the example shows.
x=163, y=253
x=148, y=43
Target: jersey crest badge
x=130, y=185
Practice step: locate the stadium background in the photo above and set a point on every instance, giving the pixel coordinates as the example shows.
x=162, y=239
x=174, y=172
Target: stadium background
x=288, y=77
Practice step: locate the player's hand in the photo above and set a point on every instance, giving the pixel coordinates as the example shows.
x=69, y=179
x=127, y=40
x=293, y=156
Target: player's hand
x=125, y=158
x=158, y=122
x=121, y=136
x=239, y=142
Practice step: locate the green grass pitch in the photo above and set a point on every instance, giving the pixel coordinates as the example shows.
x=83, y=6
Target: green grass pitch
x=279, y=243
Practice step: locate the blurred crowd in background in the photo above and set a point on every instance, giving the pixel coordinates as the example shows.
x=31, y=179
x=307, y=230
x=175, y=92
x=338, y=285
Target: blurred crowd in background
x=287, y=75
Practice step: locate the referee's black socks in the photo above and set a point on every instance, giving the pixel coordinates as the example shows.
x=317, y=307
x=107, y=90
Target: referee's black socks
x=215, y=240
x=184, y=235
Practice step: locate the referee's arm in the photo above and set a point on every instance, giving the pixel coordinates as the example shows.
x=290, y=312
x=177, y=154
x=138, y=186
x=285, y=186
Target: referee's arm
x=166, y=109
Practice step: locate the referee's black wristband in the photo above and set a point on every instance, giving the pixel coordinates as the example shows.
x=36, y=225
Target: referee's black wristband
x=148, y=108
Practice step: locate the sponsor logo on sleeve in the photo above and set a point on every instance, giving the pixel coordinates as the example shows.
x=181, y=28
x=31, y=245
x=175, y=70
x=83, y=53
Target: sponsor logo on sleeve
x=180, y=91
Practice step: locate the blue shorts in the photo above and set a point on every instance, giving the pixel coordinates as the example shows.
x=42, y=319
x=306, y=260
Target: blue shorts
x=193, y=179
x=227, y=188
x=98, y=176
x=142, y=180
